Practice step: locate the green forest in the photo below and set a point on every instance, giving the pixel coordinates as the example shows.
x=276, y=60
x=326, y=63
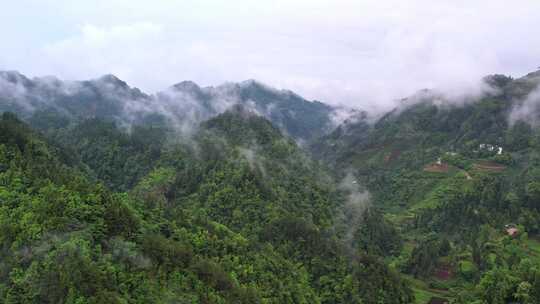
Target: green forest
x=430, y=203
x=92, y=214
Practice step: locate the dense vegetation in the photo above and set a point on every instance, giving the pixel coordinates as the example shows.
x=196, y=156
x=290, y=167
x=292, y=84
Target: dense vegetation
x=460, y=183
x=105, y=201
x=236, y=214
x=184, y=104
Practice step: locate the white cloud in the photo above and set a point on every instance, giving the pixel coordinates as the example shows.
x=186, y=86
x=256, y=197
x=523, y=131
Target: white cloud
x=527, y=110
x=363, y=53
x=98, y=50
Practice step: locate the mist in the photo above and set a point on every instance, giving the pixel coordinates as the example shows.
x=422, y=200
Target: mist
x=360, y=54
x=527, y=110
x=357, y=202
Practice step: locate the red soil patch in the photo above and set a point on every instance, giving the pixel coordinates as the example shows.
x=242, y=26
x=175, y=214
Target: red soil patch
x=443, y=273
x=442, y=168
x=437, y=300
x=392, y=156
x=512, y=231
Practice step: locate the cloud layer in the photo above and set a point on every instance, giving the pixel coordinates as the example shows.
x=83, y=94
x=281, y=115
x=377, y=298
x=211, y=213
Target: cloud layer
x=359, y=53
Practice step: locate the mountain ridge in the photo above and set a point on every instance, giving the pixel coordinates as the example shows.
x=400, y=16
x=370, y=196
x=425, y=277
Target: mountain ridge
x=112, y=98
x=430, y=200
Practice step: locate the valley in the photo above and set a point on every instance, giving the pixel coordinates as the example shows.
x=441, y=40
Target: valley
x=242, y=193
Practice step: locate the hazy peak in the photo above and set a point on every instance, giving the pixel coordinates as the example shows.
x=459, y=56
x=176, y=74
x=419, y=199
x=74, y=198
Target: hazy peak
x=110, y=78
x=187, y=85
x=13, y=77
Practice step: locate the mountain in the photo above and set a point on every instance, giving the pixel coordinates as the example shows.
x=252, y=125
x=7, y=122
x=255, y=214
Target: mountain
x=238, y=213
x=103, y=97
x=241, y=193
x=297, y=117
x=183, y=105
x=458, y=179
x=426, y=125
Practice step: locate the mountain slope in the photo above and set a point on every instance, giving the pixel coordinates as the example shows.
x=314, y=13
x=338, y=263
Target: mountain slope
x=459, y=181
x=429, y=126
x=238, y=214
x=183, y=105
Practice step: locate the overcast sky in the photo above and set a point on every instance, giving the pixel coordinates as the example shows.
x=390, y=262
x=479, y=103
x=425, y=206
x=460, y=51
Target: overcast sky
x=355, y=52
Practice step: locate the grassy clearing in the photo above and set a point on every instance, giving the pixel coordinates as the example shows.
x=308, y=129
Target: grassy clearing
x=422, y=292
x=422, y=296
x=534, y=247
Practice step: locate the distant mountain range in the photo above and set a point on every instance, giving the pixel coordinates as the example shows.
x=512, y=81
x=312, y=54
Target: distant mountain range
x=435, y=200
x=184, y=104
x=428, y=120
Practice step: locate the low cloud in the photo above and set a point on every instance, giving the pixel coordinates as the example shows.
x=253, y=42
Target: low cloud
x=361, y=54
x=527, y=110
x=458, y=95
x=356, y=204
x=254, y=159
x=14, y=93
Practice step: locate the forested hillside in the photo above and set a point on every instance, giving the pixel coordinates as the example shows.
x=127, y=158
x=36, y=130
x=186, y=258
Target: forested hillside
x=183, y=105
x=203, y=195
x=459, y=181
x=90, y=213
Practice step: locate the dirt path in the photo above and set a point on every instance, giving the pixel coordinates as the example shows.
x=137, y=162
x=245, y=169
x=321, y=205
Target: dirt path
x=489, y=166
